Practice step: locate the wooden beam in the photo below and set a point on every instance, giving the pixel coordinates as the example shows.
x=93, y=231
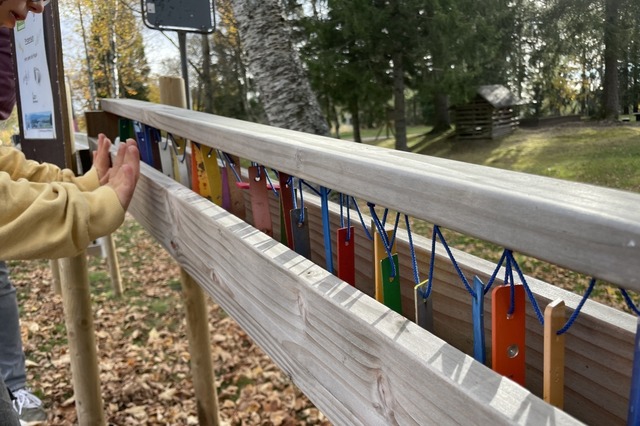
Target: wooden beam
x=554, y=351
x=78, y=318
x=585, y=228
x=353, y=357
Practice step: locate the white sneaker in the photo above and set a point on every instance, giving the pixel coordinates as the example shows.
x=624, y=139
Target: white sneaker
x=29, y=407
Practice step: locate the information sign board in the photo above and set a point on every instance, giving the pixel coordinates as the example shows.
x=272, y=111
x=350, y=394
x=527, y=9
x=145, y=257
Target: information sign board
x=179, y=15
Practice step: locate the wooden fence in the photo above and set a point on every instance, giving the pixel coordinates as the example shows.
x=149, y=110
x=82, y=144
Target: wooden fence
x=357, y=360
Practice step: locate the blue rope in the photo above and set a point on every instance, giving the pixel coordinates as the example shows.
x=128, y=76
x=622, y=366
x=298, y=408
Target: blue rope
x=348, y=220
x=630, y=303
x=436, y=229
x=532, y=299
x=414, y=262
x=383, y=236
x=326, y=228
x=364, y=227
x=301, y=221
x=310, y=187
x=231, y=164
x=294, y=195
x=432, y=262
x=495, y=272
x=395, y=230
x=273, y=188
x=342, y=197
x=508, y=280
x=575, y=313
x=341, y=213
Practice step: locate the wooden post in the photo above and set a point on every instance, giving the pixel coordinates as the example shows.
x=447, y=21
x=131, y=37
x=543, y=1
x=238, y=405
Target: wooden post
x=101, y=122
x=172, y=93
x=200, y=350
x=55, y=276
x=109, y=247
x=78, y=318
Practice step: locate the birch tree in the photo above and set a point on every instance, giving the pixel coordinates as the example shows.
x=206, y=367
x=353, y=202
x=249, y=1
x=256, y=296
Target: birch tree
x=116, y=51
x=283, y=86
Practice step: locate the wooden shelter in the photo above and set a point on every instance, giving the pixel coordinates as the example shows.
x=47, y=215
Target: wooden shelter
x=489, y=115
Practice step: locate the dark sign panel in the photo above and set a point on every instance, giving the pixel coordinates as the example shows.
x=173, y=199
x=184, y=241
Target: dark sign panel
x=179, y=15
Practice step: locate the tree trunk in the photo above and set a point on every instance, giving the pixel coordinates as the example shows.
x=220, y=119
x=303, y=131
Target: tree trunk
x=207, y=82
x=114, y=52
x=284, y=88
x=399, y=117
x=442, y=119
x=611, y=101
x=92, y=85
x=583, y=84
x=624, y=85
x=635, y=59
x=354, y=109
x=336, y=119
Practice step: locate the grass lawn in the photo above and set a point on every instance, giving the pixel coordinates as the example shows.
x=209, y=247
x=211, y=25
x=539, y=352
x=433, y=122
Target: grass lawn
x=600, y=155
x=604, y=155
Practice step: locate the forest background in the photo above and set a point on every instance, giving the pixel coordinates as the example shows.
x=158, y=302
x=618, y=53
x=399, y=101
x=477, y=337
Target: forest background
x=374, y=63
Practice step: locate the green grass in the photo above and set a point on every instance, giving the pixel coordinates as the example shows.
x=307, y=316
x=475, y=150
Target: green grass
x=600, y=155
x=589, y=153
x=381, y=134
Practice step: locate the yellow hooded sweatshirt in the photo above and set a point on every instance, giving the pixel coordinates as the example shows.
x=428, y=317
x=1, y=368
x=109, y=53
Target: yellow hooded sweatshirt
x=46, y=212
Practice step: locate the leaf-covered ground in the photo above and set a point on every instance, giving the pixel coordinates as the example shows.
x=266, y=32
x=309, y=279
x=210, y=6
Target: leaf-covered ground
x=143, y=350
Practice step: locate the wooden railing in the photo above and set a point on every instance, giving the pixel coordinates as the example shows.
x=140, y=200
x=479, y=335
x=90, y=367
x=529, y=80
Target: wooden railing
x=358, y=361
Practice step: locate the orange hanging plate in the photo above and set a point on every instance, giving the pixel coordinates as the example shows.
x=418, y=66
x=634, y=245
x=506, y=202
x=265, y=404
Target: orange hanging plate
x=508, y=333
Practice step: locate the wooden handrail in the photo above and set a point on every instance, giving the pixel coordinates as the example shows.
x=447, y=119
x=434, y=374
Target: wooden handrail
x=358, y=361
x=588, y=229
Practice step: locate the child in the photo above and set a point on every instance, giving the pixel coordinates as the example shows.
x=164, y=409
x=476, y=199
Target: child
x=46, y=212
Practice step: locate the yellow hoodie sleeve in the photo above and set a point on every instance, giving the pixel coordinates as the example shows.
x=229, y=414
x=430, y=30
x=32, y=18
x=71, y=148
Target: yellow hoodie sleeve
x=50, y=220
x=13, y=162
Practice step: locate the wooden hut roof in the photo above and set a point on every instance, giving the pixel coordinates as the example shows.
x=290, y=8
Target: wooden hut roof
x=498, y=96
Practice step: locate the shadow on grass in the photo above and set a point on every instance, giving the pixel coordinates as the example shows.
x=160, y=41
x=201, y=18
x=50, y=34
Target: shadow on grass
x=446, y=145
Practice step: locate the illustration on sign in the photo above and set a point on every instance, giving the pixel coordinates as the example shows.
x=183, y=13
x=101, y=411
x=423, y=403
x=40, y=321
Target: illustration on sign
x=33, y=78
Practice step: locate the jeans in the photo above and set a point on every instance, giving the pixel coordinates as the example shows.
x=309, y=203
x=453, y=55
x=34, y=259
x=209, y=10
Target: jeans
x=12, y=360
x=8, y=416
